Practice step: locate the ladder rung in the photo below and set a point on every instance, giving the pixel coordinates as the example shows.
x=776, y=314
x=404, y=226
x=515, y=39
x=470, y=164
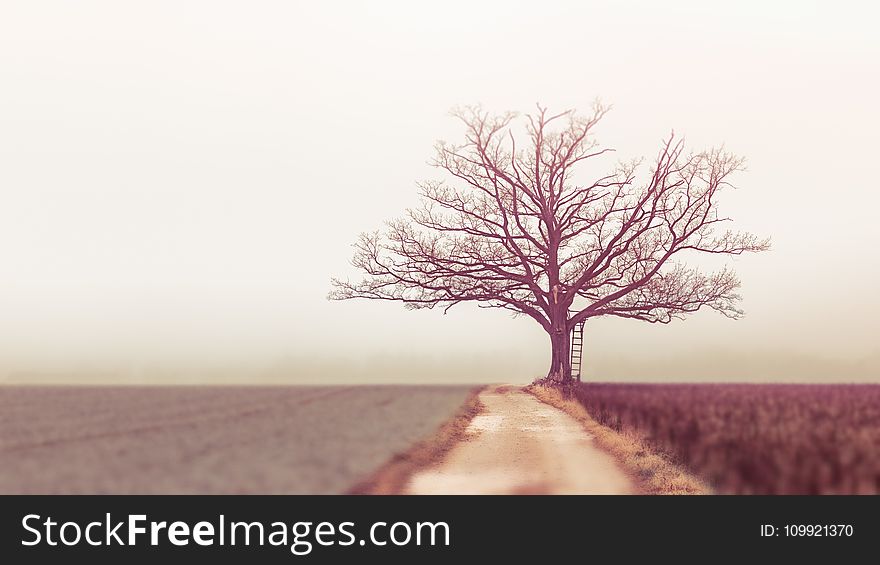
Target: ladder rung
x=577, y=350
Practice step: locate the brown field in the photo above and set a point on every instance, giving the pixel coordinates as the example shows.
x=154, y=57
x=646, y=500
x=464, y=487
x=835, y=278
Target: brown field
x=754, y=439
x=210, y=439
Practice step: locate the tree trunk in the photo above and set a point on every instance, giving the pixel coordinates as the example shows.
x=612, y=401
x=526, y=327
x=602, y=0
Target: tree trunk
x=560, y=358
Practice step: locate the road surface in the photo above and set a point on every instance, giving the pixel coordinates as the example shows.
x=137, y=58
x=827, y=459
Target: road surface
x=519, y=445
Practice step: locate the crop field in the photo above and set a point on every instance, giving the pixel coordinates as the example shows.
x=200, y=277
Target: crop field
x=754, y=439
x=209, y=439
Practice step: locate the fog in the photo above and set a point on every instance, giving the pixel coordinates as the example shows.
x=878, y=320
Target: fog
x=180, y=180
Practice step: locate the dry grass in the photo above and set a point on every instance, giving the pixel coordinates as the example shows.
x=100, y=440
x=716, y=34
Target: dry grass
x=394, y=475
x=652, y=472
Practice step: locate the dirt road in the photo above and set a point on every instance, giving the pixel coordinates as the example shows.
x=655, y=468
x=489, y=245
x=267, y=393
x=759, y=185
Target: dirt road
x=519, y=445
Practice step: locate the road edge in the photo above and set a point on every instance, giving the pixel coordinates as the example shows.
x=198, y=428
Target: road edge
x=650, y=470
x=393, y=476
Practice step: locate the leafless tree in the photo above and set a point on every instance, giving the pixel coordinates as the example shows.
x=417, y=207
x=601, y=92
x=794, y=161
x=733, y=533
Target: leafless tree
x=515, y=229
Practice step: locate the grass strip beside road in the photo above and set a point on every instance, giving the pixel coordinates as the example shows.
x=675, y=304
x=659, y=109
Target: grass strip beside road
x=652, y=471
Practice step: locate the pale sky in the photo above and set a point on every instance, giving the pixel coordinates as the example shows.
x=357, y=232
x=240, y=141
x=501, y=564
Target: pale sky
x=179, y=180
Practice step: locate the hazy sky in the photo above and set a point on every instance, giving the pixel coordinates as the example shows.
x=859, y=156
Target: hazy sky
x=179, y=180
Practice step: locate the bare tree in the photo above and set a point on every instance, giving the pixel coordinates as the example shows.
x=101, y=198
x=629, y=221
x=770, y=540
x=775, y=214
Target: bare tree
x=517, y=230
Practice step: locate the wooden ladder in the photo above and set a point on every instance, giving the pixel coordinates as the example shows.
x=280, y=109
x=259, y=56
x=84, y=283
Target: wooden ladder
x=577, y=349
